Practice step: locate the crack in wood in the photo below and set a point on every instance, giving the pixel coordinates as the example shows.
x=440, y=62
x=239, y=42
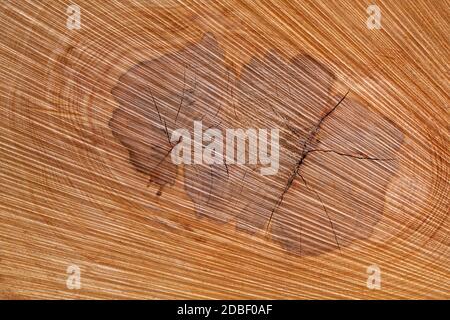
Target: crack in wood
x=163, y=94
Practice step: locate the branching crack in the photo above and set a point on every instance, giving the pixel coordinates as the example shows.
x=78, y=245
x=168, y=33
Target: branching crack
x=305, y=152
x=303, y=156
x=164, y=158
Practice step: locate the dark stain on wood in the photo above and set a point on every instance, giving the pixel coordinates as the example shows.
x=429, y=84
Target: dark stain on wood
x=336, y=156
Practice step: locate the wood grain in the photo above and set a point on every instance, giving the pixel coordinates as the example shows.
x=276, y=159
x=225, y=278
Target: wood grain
x=363, y=178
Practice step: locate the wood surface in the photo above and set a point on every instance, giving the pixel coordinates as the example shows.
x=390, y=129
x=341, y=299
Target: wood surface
x=363, y=173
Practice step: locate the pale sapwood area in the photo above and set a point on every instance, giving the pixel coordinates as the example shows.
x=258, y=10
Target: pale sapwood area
x=88, y=182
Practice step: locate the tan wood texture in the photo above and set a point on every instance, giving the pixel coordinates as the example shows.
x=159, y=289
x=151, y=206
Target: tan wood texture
x=363, y=175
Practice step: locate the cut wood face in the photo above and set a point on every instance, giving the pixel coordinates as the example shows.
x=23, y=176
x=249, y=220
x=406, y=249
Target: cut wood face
x=336, y=156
